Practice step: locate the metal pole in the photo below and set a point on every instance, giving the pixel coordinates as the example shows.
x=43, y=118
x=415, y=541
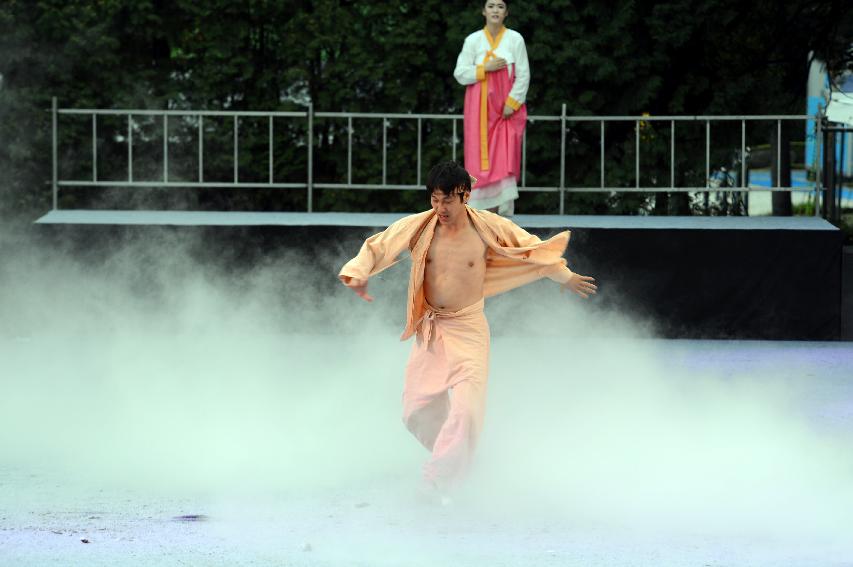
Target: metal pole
x=818, y=163
x=384, y=148
x=235, y=148
x=310, y=157
x=672, y=153
x=840, y=171
x=129, y=147
x=637, y=153
x=94, y=147
x=828, y=174
x=200, y=148
x=707, y=154
x=419, y=152
x=523, y=157
x=601, y=152
x=272, y=152
x=454, y=139
x=54, y=113
x=563, y=160
x=779, y=154
x=349, y=150
x=743, y=154
x=165, y=148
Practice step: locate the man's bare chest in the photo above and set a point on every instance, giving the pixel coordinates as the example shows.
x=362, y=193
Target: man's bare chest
x=458, y=254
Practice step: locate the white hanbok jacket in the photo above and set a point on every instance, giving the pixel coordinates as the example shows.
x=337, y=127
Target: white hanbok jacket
x=469, y=64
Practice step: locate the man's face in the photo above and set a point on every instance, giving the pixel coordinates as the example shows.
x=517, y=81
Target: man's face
x=495, y=12
x=448, y=207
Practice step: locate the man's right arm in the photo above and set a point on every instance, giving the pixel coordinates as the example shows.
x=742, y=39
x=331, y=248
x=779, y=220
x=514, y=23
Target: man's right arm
x=378, y=253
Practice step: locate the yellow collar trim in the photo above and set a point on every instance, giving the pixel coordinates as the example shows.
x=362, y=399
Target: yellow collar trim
x=494, y=42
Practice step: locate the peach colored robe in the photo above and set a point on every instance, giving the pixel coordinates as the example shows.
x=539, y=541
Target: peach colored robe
x=450, y=353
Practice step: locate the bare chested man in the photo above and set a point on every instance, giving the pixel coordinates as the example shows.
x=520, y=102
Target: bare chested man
x=460, y=256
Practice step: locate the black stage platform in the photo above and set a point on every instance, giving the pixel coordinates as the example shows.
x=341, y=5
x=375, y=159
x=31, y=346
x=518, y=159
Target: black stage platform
x=692, y=277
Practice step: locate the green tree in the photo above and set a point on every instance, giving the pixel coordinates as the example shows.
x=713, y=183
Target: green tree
x=622, y=58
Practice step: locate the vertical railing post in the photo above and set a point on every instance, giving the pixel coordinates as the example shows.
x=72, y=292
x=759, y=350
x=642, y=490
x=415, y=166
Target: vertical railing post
x=349, y=150
x=524, y=157
x=419, y=152
x=563, y=160
x=454, y=138
x=310, y=157
x=236, y=157
x=707, y=154
x=165, y=148
x=384, y=149
x=601, y=154
x=54, y=112
x=779, y=154
x=637, y=153
x=743, y=154
x=818, y=149
x=272, y=151
x=672, y=154
x=201, y=148
x=130, y=148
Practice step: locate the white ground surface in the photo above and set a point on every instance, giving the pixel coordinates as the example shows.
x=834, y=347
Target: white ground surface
x=597, y=452
x=141, y=385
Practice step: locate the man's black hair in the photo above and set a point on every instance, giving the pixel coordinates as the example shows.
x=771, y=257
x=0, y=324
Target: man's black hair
x=450, y=178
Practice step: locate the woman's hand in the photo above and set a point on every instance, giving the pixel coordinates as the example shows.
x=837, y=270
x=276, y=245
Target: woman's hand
x=508, y=110
x=495, y=64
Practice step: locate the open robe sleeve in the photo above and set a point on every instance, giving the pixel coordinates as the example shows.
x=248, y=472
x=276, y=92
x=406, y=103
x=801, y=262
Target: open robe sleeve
x=519, y=245
x=382, y=250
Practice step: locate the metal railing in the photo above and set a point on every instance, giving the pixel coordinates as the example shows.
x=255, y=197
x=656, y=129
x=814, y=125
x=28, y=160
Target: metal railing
x=309, y=185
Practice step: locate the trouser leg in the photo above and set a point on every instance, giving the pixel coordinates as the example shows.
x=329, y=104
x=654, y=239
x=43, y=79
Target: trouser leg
x=425, y=420
x=457, y=439
x=455, y=360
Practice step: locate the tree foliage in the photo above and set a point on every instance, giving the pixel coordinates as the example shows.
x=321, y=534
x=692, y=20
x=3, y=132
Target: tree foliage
x=617, y=58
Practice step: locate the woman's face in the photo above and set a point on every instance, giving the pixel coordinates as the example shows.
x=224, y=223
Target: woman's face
x=495, y=12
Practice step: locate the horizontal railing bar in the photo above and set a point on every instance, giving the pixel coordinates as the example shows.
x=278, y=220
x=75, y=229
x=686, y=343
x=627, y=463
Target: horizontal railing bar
x=531, y=118
x=242, y=185
x=397, y=115
x=122, y=112
x=673, y=189
x=204, y=184
x=368, y=186
x=687, y=118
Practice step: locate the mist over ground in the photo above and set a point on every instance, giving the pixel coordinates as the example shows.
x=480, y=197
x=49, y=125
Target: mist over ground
x=270, y=389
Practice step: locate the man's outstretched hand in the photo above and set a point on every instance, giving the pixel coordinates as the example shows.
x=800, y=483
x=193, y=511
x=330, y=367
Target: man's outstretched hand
x=358, y=286
x=581, y=285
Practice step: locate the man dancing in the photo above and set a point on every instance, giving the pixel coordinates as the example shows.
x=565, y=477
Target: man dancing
x=460, y=256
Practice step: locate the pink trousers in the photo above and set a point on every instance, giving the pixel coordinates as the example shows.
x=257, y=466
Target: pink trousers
x=444, y=397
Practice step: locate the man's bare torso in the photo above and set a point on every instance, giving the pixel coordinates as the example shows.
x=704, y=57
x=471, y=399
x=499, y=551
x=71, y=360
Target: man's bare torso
x=455, y=268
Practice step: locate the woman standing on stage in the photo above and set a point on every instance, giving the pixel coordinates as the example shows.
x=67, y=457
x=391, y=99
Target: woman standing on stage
x=493, y=65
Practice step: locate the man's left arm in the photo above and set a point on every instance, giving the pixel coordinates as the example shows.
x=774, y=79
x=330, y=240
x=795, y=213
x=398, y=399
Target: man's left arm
x=581, y=285
x=584, y=286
